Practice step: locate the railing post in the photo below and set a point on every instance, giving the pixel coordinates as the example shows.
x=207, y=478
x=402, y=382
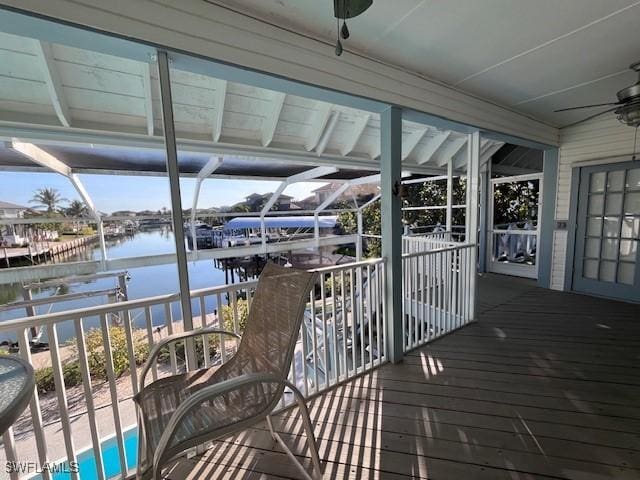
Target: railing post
x=176, y=202
x=449, y=221
x=473, y=172
x=391, y=212
x=485, y=240
x=360, y=233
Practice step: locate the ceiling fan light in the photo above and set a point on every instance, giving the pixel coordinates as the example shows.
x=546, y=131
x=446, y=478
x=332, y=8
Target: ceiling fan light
x=629, y=114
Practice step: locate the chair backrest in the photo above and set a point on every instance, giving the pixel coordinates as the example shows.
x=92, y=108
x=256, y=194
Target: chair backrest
x=270, y=336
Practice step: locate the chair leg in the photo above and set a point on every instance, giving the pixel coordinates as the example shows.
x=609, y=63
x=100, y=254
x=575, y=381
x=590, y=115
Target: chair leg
x=311, y=439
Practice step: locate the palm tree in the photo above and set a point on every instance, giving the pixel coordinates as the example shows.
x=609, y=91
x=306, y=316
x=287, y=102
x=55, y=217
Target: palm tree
x=77, y=209
x=48, y=198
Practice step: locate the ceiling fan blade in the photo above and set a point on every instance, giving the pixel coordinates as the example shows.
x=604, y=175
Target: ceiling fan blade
x=587, y=106
x=590, y=117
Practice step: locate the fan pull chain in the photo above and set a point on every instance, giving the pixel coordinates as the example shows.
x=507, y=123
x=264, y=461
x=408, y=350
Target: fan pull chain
x=635, y=143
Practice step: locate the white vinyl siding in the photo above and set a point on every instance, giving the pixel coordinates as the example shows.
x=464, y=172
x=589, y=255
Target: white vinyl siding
x=599, y=141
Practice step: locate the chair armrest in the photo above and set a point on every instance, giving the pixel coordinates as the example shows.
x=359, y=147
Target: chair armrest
x=203, y=395
x=155, y=351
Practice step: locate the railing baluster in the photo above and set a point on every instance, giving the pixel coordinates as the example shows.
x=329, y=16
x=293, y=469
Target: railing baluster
x=377, y=300
x=168, y=318
x=148, y=320
x=130, y=349
x=405, y=299
x=205, y=338
x=429, y=273
x=370, y=315
x=9, y=445
x=305, y=353
x=221, y=338
x=354, y=330
x=417, y=316
x=61, y=394
x=88, y=396
x=334, y=328
x=325, y=340
x=233, y=298
x=449, y=262
x=113, y=389
x=361, y=317
x=343, y=316
x=314, y=338
x=34, y=405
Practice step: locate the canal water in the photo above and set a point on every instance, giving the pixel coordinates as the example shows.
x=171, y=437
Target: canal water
x=145, y=282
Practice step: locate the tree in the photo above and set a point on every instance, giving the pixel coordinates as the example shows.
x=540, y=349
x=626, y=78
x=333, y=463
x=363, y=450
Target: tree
x=48, y=198
x=77, y=209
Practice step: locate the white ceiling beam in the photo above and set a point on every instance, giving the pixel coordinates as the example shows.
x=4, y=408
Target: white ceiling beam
x=39, y=156
x=433, y=146
x=489, y=152
x=331, y=126
x=219, y=100
x=451, y=150
x=270, y=121
x=148, y=99
x=298, y=177
x=320, y=119
x=332, y=197
x=356, y=132
x=409, y=145
x=211, y=166
x=44, y=54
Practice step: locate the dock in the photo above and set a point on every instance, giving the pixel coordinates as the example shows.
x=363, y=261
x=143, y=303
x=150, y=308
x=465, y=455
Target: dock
x=39, y=252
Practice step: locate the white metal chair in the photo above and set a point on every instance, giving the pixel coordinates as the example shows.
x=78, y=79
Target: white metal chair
x=180, y=412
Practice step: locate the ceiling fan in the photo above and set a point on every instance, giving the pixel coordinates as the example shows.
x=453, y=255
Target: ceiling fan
x=627, y=108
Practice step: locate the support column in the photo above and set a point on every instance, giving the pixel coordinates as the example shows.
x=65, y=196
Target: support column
x=391, y=212
x=360, y=232
x=176, y=202
x=472, y=210
x=546, y=222
x=449, y=222
x=484, y=241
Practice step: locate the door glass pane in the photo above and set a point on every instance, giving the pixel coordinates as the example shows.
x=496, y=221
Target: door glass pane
x=596, y=204
x=628, y=250
x=615, y=180
x=614, y=204
x=611, y=226
x=594, y=226
x=626, y=272
x=632, y=204
x=597, y=182
x=633, y=179
x=631, y=227
x=590, y=269
x=607, y=271
x=610, y=249
x=592, y=248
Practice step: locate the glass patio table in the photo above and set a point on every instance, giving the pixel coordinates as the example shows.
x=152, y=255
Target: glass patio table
x=17, y=381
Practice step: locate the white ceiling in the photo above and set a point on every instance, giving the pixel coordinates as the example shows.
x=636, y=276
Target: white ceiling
x=534, y=56
x=69, y=91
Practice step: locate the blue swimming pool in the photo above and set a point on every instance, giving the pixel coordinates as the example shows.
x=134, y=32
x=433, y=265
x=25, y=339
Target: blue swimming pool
x=110, y=458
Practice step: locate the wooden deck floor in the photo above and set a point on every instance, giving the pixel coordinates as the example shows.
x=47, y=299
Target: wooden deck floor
x=544, y=385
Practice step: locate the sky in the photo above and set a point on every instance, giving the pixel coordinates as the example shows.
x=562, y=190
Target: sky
x=111, y=193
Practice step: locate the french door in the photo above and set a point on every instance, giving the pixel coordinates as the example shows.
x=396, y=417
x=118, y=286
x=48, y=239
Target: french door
x=514, y=213
x=608, y=231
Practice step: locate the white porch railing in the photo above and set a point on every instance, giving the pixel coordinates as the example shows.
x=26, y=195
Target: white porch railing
x=438, y=290
x=342, y=336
